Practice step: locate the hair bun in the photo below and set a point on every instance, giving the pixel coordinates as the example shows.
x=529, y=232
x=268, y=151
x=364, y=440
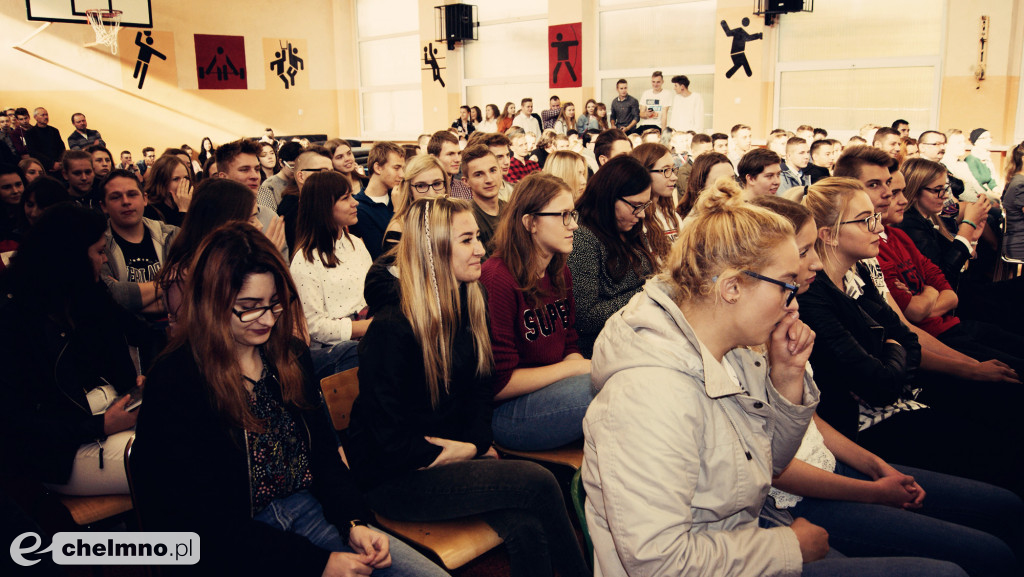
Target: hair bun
x=722, y=195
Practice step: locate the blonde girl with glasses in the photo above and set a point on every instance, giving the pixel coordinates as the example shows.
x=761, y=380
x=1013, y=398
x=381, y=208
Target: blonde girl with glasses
x=866, y=360
x=425, y=177
x=542, y=382
x=420, y=434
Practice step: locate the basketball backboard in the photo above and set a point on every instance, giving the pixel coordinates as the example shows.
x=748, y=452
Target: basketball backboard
x=135, y=13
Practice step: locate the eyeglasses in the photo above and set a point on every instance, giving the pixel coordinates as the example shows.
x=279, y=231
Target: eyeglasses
x=422, y=187
x=931, y=143
x=871, y=222
x=638, y=208
x=568, y=217
x=316, y=169
x=791, y=287
x=940, y=191
x=250, y=315
x=667, y=172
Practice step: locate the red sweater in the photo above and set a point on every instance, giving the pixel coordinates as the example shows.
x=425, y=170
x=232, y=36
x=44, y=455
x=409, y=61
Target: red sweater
x=522, y=335
x=902, y=262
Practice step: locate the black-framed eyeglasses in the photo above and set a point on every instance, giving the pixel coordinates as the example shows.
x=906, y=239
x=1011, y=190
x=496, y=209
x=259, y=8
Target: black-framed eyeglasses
x=791, y=287
x=871, y=222
x=667, y=172
x=940, y=191
x=422, y=187
x=315, y=169
x=638, y=208
x=250, y=315
x=568, y=216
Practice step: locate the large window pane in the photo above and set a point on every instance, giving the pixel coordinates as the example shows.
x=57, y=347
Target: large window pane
x=506, y=50
x=658, y=36
x=389, y=62
x=856, y=97
x=394, y=114
x=382, y=17
x=501, y=9
x=862, y=29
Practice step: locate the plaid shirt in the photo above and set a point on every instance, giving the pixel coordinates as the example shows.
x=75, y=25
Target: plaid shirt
x=459, y=189
x=517, y=169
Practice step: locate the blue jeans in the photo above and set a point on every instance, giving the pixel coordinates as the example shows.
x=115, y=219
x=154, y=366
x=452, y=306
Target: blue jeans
x=973, y=524
x=300, y=513
x=546, y=418
x=333, y=360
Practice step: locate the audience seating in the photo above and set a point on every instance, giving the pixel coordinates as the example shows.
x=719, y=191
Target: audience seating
x=1011, y=267
x=579, y=499
x=570, y=455
x=452, y=543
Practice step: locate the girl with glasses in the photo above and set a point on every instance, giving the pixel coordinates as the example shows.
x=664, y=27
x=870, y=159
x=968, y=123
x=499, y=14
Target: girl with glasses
x=425, y=177
x=329, y=268
x=235, y=443
x=660, y=163
x=542, y=382
x=420, y=433
x=866, y=361
x=872, y=508
x=690, y=424
x=611, y=255
x=979, y=298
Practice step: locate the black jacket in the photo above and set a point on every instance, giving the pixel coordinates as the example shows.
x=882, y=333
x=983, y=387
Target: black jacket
x=45, y=369
x=948, y=255
x=191, y=473
x=393, y=411
x=851, y=355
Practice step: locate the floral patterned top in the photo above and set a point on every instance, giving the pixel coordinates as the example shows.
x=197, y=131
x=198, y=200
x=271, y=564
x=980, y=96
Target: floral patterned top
x=279, y=456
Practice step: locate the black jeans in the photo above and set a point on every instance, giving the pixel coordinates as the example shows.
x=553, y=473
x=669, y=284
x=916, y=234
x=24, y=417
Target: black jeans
x=520, y=500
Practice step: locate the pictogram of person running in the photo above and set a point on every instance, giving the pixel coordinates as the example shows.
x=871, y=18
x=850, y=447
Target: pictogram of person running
x=740, y=37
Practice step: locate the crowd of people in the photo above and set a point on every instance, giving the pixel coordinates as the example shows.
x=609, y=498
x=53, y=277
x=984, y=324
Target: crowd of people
x=742, y=338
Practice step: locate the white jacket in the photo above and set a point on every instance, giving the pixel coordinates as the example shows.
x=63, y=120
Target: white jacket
x=677, y=459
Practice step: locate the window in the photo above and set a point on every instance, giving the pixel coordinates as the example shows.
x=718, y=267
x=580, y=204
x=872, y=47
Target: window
x=637, y=38
x=390, y=93
x=865, y=83
x=510, y=61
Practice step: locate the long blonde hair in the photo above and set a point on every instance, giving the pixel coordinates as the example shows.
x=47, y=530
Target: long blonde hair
x=727, y=236
x=565, y=165
x=827, y=200
x=431, y=295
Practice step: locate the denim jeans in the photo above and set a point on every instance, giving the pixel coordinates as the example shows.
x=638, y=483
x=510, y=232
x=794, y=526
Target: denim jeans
x=332, y=360
x=300, y=513
x=546, y=418
x=522, y=501
x=975, y=525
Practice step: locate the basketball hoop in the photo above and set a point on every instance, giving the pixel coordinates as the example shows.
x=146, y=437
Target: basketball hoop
x=106, y=24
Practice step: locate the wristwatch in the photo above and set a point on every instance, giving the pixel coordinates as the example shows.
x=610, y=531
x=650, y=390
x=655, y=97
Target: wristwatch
x=352, y=524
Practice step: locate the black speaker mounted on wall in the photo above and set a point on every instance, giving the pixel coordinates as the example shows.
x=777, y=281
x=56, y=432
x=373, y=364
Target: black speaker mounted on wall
x=772, y=8
x=456, y=23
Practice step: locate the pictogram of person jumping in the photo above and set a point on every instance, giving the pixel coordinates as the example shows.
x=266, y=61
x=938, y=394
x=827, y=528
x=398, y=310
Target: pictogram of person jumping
x=740, y=37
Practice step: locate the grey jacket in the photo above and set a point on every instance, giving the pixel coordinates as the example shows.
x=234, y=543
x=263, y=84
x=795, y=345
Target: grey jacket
x=678, y=460
x=126, y=293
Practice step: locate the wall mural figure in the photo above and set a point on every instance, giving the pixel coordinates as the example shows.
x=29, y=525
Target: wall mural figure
x=146, y=51
x=430, y=59
x=295, y=63
x=562, y=50
x=740, y=37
